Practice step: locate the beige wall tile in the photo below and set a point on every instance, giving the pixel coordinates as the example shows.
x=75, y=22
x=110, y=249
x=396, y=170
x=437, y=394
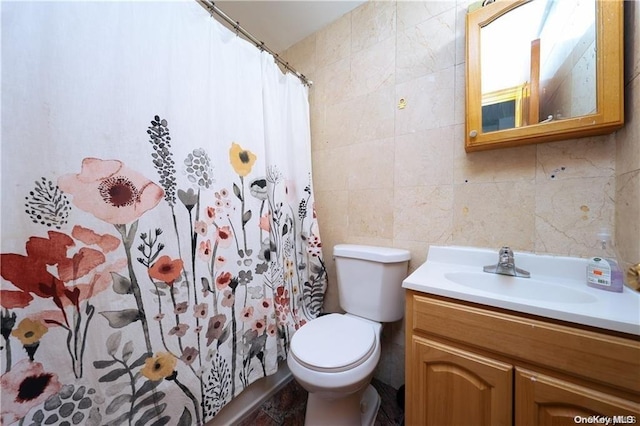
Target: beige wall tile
x=418, y=249
x=494, y=215
x=632, y=39
x=371, y=23
x=412, y=13
x=461, y=30
x=628, y=138
x=371, y=213
x=430, y=102
x=628, y=217
x=332, y=219
x=459, y=105
x=586, y=157
x=570, y=212
x=302, y=55
x=333, y=82
x=369, y=164
x=503, y=165
x=427, y=47
x=423, y=213
x=335, y=177
x=424, y=158
x=363, y=118
x=334, y=41
x=316, y=121
x=373, y=68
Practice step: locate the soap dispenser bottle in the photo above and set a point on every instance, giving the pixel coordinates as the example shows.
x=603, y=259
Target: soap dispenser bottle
x=603, y=271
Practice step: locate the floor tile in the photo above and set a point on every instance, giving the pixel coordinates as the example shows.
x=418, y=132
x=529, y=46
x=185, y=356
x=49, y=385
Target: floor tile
x=287, y=407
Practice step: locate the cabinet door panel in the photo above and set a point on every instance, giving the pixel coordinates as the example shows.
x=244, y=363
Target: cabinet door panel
x=451, y=386
x=545, y=401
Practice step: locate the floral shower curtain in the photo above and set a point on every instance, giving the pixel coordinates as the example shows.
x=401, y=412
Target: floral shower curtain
x=159, y=241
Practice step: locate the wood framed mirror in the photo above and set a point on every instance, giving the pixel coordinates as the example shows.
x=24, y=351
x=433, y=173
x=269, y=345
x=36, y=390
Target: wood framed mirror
x=543, y=70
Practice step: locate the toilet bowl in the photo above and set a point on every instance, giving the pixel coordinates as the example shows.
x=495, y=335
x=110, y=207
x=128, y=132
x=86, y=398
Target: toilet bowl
x=333, y=357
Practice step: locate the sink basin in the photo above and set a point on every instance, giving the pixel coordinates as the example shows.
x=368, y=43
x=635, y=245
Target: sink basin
x=556, y=289
x=522, y=288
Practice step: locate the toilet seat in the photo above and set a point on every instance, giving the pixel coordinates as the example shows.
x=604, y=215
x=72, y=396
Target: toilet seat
x=333, y=343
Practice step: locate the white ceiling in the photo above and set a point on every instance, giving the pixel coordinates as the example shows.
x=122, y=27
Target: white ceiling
x=281, y=24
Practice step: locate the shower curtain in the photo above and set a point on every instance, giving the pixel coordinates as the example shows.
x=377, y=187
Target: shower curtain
x=159, y=240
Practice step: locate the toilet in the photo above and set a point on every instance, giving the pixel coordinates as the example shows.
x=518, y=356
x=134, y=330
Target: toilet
x=334, y=356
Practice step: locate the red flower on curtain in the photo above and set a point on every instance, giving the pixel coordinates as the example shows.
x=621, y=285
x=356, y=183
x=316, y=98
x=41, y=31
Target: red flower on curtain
x=31, y=273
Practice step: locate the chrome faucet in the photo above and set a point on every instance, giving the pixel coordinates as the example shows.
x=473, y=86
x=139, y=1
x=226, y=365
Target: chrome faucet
x=506, y=265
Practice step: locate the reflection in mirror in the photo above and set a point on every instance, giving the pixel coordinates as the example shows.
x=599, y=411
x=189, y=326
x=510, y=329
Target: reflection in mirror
x=538, y=64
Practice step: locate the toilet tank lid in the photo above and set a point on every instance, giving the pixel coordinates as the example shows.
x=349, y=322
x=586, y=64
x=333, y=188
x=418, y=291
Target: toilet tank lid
x=373, y=253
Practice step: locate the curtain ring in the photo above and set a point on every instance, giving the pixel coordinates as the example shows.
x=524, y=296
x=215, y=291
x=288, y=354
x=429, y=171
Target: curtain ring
x=237, y=28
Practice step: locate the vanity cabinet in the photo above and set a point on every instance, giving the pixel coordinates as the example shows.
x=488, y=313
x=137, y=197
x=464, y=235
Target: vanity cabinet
x=468, y=364
x=458, y=387
x=546, y=400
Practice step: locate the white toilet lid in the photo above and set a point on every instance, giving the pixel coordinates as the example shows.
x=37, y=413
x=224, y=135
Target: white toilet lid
x=333, y=342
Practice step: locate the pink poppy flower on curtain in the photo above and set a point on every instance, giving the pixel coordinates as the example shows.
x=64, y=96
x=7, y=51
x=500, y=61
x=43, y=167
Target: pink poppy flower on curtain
x=216, y=327
x=223, y=236
x=210, y=214
x=189, y=354
x=27, y=385
x=259, y=325
x=265, y=222
x=272, y=330
x=201, y=227
x=220, y=261
x=179, y=330
x=247, y=314
x=265, y=306
x=181, y=308
x=228, y=298
x=204, y=250
x=111, y=191
x=201, y=310
x=223, y=280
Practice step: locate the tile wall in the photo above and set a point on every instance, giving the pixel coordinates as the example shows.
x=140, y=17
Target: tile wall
x=391, y=176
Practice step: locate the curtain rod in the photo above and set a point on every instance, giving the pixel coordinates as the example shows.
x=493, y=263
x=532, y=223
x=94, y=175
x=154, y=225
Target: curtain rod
x=212, y=8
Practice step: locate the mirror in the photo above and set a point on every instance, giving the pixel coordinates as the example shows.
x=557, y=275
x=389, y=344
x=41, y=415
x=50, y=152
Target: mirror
x=536, y=71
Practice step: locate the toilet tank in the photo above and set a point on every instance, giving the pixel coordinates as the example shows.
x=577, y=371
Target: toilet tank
x=370, y=280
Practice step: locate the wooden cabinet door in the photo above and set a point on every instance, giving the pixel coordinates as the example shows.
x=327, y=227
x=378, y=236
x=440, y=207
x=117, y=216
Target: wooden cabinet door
x=452, y=386
x=543, y=400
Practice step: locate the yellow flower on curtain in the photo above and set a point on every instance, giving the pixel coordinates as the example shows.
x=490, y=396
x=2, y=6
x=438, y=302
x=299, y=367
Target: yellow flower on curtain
x=242, y=160
x=159, y=366
x=29, y=331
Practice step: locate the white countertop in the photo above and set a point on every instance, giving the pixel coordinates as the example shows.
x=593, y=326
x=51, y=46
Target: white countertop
x=602, y=309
